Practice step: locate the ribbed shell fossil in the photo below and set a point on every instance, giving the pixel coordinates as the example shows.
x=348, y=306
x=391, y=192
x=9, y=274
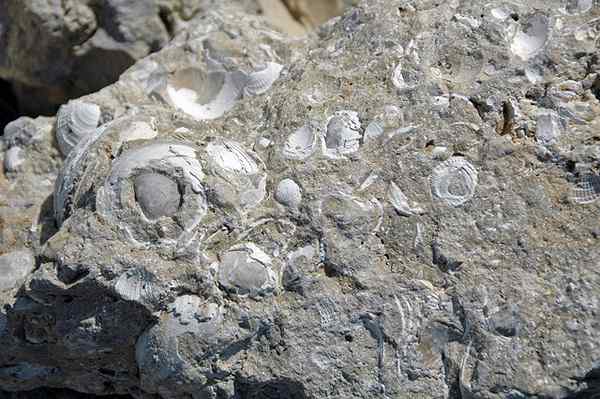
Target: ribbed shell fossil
x=75, y=120
x=302, y=143
x=288, y=193
x=261, y=81
x=343, y=134
x=129, y=196
x=236, y=175
x=454, y=181
x=246, y=270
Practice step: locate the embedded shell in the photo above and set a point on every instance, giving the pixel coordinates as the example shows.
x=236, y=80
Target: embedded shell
x=74, y=121
x=302, y=143
x=454, y=181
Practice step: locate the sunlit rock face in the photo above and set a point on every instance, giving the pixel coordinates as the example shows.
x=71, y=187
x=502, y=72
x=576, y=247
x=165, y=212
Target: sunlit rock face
x=402, y=205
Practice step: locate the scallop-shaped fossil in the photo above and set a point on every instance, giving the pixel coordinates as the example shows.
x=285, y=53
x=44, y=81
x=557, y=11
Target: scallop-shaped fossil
x=205, y=95
x=236, y=176
x=343, y=134
x=454, y=181
x=288, y=193
x=136, y=285
x=246, y=270
x=158, y=186
x=531, y=37
x=587, y=190
x=75, y=120
x=302, y=143
x=260, y=81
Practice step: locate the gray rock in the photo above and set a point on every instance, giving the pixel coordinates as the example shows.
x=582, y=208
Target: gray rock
x=487, y=289
x=14, y=267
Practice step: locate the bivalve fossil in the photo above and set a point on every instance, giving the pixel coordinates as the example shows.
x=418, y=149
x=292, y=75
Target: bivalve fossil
x=302, y=143
x=288, y=193
x=75, y=120
x=531, y=37
x=245, y=269
x=454, y=181
x=400, y=202
x=343, y=134
x=260, y=81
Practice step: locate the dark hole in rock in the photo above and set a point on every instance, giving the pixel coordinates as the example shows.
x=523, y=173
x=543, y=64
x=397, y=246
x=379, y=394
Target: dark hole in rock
x=9, y=109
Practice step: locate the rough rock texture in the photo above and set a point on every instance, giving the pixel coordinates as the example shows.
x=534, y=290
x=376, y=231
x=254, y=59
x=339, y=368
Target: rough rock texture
x=55, y=50
x=402, y=205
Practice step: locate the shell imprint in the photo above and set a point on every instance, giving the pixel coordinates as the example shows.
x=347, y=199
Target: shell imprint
x=75, y=120
x=288, y=193
x=548, y=127
x=246, y=270
x=454, y=181
x=528, y=42
x=302, y=143
x=343, y=134
x=587, y=190
x=155, y=184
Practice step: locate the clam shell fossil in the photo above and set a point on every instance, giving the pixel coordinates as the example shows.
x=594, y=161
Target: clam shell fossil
x=246, y=270
x=343, y=134
x=75, y=120
x=204, y=95
x=530, y=38
x=157, y=184
x=587, y=190
x=454, y=181
x=288, y=193
x=302, y=143
x=261, y=81
x=236, y=175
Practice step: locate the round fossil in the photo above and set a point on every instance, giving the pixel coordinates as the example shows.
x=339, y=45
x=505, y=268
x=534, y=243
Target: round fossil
x=246, y=270
x=158, y=195
x=531, y=38
x=75, y=120
x=343, y=134
x=288, y=193
x=302, y=143
x=454, y=181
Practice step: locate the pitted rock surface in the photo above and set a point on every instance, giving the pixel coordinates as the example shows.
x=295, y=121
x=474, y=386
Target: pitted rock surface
x=401, y=205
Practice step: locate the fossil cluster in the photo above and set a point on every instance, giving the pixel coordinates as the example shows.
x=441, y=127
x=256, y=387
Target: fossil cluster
x=401, y=204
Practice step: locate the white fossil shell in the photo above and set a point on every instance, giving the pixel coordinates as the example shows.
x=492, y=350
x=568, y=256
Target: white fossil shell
x=400, y=202
x=288, y=193
x=75, y=120
x=238, y=178
x=246, y=270
x=302, y=143
x=587, y=190
x=152, y=185
x=205, y=95
x=13, y=158
x=575, y=7
x=548, y=128
x=454, y=181
x=343, y=134
x=136, y=285
x=529, y=39
x=260, y=81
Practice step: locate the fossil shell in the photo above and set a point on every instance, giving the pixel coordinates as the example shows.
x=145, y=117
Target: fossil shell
x=302, y=143
x=352, y=215
x=237, y=177
x=587, y=190
x=13, y=159
x=136, y=285
x=246, y=270
x=400, y=202
x=548, y=129
x=171, y=169
x=288, y=193
x=574, y=7
x=343, y=134
x=205, y=95
x=530, y=38
x=454, y=181
x=261, y=81
x=75, y=120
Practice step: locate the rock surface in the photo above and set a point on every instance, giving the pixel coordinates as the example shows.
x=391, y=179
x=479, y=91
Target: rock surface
x=437, y=234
